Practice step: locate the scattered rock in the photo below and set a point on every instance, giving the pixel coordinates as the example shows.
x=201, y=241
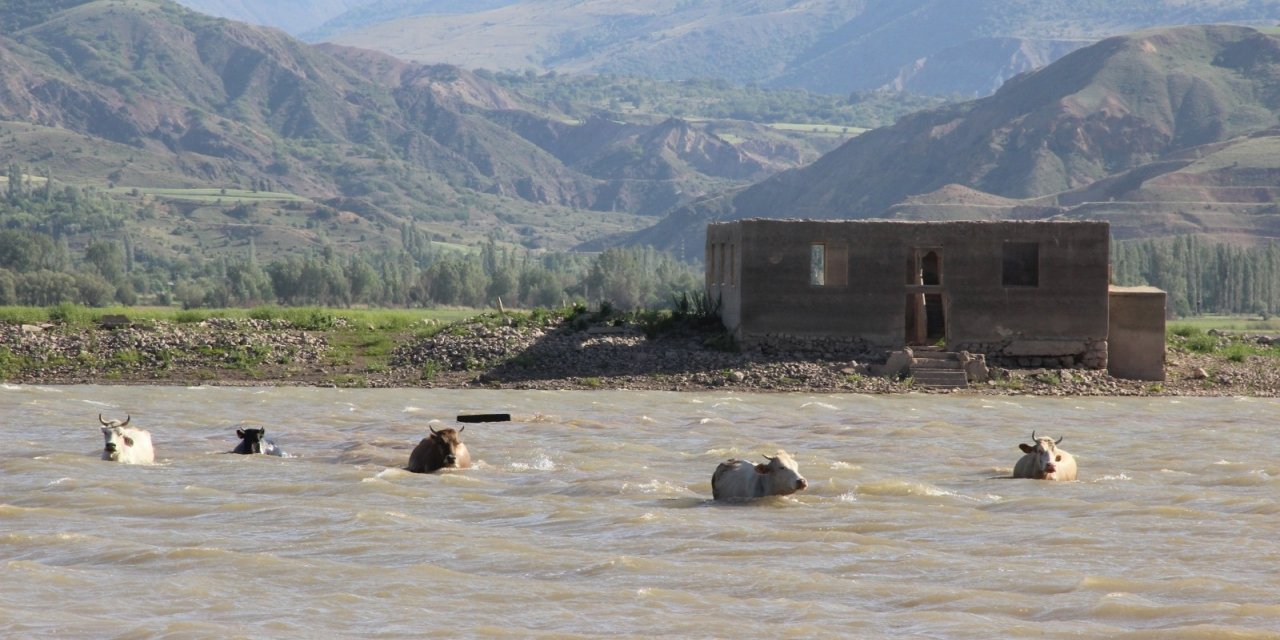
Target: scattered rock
x=517, y=355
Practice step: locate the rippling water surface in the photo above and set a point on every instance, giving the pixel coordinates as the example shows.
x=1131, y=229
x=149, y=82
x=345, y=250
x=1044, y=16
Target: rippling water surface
x=588, y=515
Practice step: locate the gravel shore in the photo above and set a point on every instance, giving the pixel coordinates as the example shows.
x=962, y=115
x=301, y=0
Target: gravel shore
x=501, y=353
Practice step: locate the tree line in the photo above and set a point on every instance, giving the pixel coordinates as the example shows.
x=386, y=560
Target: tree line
x=40, y=222
x=1202, y=277
x=37, y=270
x=40, y=267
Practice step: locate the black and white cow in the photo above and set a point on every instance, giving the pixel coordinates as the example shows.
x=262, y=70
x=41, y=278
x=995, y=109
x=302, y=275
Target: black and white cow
x=255, y=441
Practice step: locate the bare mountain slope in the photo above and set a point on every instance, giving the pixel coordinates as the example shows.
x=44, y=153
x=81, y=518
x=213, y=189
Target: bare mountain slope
x=1174, y=115
x=149, y=94
x=967, y=47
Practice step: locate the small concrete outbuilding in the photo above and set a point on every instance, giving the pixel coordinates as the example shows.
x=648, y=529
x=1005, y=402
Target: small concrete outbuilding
x=1136, y=333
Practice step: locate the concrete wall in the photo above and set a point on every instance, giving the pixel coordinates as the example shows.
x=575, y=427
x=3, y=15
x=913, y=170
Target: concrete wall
x=724, y=272
x=1137, y=333
x=773, y=294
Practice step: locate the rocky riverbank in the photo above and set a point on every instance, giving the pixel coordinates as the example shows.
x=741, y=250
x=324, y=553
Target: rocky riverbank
x=552, y=353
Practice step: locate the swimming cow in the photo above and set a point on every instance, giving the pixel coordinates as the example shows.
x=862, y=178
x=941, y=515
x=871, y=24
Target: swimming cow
x=1043, y=460
x=255, y=441
x=442, y=449
x=122, y=443
x=741, y=480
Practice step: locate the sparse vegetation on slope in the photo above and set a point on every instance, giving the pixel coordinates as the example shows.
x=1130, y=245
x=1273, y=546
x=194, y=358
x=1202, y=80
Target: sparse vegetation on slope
x=830, y=46
x=1100, y=134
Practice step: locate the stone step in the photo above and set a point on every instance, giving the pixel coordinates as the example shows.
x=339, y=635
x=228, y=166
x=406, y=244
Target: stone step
x=933, y=354
x=935, y=363
x=940, y=378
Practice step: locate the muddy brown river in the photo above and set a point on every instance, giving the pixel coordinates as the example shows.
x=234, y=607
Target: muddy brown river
x=589, y=515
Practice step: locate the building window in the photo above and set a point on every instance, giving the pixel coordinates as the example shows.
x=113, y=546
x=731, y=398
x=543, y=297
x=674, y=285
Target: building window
x=1021, y=264
x=924, y=267
x=818, y=265
x=828, y=265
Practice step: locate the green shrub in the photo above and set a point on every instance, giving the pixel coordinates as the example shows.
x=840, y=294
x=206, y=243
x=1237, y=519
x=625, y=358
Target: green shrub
x=68, y=313
x=23, y=315
x=310, y=318
x=1238, y=351
x=266, y=313
x=191, y=316
x=1202, y=343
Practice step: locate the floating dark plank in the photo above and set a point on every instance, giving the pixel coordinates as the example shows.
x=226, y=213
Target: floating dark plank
x=485, y=417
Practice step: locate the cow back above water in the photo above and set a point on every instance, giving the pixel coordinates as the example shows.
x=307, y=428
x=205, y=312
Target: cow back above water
x=442, y=449
x=1043, y=460
x=125, y=444
x=255, y=441
x=741, y=480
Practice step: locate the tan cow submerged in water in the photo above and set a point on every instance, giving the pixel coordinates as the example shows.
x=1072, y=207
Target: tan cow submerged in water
x=442, y=449
x=741, y=480
x=1043, y=460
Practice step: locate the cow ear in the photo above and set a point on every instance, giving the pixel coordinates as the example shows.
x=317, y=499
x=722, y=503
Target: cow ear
x=239, y=433
x=128, y=442
x=1026, y=448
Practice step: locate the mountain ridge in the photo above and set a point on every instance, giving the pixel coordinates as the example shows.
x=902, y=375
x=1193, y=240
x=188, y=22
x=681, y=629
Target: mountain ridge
x=180, y=99
x=830, y=46
x=1122, y=120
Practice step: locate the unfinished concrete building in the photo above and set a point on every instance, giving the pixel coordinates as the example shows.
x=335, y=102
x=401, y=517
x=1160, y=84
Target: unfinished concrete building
x=1022, y=293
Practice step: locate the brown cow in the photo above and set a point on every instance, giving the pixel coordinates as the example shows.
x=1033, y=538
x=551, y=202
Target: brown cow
x=442, y=449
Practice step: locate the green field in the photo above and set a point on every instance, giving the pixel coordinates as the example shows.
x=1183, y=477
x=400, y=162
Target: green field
x=211, y=195
x=1233, y=324
x=821, y=129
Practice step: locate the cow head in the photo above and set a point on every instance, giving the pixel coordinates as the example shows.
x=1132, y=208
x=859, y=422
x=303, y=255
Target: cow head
x=1044, y=455
x=783, y=474
x=114, y=438
x=254, y=439
x=447, y=442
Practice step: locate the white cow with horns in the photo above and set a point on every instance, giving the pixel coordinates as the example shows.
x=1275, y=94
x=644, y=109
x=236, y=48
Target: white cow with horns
x=1043, y=460
x=741, y=480
x=126, y=444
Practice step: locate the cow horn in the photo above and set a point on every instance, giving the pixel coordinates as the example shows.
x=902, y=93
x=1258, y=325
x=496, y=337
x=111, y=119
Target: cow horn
x=127, y=418
x=1033, y=435
x=104, y=422
x=461, y=429
x=433, y=429
x=1059, y=440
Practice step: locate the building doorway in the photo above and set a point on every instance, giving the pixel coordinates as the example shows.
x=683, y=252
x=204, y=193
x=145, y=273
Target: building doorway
x=926, y=314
